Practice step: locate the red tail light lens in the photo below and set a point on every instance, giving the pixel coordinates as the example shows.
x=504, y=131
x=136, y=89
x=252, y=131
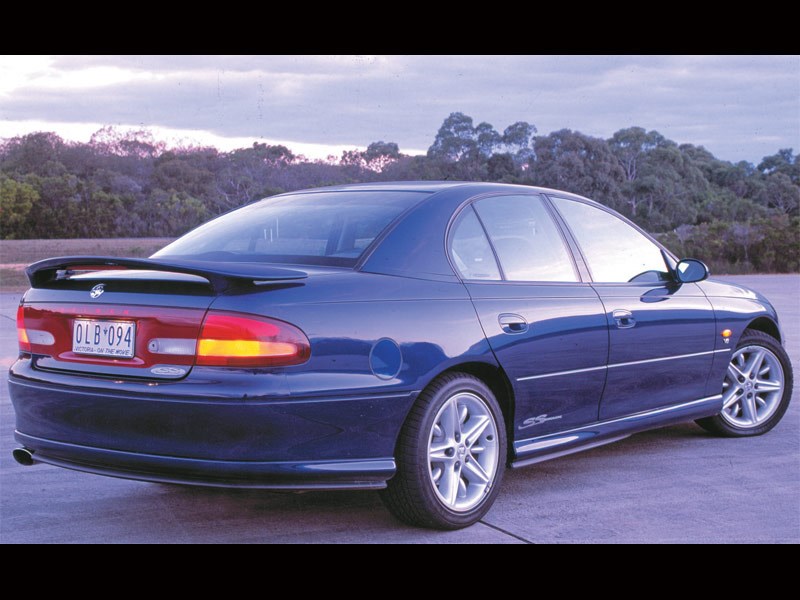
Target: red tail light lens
x=236, y=340
x=22, y=335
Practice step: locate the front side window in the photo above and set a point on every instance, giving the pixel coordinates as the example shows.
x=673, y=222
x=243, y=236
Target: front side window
x=330, y=228
x=526, y=239
x=614, y=251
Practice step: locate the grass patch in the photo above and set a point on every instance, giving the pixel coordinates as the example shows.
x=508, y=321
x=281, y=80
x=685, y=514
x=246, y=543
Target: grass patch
x=28, y=251
x=13, y=280
x=15, y=255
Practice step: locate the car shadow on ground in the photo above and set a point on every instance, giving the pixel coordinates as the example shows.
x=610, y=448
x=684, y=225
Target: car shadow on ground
x=264, y=515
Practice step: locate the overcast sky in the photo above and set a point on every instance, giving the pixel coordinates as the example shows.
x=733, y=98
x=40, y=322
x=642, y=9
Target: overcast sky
x=738, y=107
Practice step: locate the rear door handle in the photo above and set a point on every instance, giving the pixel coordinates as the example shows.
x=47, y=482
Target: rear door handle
x=511, y=323
x=624, y=318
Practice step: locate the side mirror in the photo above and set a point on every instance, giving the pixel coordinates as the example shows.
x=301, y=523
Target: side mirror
x=690, y=270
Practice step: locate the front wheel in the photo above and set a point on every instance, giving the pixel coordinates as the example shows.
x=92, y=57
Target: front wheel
x=756, y=390
x=450, y=456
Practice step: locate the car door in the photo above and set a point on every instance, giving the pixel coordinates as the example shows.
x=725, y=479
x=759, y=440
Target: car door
x=661, y=333
x=546, y=327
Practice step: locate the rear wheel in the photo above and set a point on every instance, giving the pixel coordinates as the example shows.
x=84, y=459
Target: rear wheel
x=756, y=390
x=450, y=456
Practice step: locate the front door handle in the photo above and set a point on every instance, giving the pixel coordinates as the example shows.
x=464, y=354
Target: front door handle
x=624, y=318
x=511, y=323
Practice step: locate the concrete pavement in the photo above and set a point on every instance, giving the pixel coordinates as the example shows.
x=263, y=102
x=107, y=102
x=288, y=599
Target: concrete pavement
x=677, y=484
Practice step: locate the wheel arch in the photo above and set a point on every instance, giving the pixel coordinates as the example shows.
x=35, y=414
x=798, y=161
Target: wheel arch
x=766, y=325
x=495, y=377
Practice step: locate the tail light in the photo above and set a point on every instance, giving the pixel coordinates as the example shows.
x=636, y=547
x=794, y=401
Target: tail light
x=166, y=337
x=27, y=336
x=22, y=335
x=236, y=340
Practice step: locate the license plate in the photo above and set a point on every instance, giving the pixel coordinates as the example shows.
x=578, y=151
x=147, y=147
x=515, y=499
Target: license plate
x=114, y=339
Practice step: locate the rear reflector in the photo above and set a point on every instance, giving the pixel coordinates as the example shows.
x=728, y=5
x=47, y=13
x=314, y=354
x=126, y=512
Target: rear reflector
x=236, y=340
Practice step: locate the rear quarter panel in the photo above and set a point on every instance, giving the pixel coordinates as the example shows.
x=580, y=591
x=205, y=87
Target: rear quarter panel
x=344, y=314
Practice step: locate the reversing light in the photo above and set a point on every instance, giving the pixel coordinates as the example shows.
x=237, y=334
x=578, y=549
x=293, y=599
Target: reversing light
x=236, y=340
x=175, y=346
x=37, y=337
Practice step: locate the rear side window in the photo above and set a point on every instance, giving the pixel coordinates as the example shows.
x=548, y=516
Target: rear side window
x=526, y=239
x=330, y=228
x=470, y=249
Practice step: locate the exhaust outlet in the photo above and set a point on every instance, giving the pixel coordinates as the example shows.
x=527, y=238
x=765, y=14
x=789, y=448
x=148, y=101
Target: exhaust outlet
x=23, y=456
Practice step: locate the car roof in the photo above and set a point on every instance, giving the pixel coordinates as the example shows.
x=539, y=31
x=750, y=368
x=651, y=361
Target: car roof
x=405, y=186
x=469, y=188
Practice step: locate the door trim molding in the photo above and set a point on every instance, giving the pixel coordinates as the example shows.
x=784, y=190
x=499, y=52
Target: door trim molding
x=624, y=364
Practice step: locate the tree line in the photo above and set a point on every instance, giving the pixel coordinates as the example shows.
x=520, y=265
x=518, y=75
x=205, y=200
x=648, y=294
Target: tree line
x=738, y=217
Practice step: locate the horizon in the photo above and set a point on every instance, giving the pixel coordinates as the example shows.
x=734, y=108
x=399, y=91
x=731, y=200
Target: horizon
x=178, y=141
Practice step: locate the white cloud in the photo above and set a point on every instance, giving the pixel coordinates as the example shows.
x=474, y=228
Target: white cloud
x=16, y=71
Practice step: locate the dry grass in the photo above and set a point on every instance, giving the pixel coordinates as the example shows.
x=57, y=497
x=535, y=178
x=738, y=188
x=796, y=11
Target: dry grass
x=15, y=255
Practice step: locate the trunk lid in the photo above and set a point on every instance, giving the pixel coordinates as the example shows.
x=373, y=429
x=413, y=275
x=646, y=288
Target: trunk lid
x=129, y=318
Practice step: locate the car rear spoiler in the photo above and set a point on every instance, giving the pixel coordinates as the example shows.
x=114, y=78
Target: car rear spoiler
x=221, y=275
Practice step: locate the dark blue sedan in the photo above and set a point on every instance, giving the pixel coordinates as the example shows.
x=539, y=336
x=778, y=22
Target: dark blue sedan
x=411, y=337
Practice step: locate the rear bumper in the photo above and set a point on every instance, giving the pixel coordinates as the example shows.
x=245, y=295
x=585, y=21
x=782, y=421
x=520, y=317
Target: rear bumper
x=177, y=433
x=347, y=474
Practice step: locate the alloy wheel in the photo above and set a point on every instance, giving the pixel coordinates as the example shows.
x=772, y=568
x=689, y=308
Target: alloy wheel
x=462, y=452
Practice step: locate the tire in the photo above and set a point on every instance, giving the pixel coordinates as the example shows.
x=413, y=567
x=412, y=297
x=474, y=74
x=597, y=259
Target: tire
x=756, y=390
x=451, y=455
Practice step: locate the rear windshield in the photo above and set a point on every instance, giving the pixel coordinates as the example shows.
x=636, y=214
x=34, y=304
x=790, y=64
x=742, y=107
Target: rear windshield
x=328, y=228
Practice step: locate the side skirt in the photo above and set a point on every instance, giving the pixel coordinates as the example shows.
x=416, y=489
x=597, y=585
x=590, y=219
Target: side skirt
x=554, y=445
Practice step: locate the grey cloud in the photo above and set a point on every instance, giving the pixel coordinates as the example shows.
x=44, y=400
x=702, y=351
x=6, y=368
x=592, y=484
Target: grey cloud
x=724, y=103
